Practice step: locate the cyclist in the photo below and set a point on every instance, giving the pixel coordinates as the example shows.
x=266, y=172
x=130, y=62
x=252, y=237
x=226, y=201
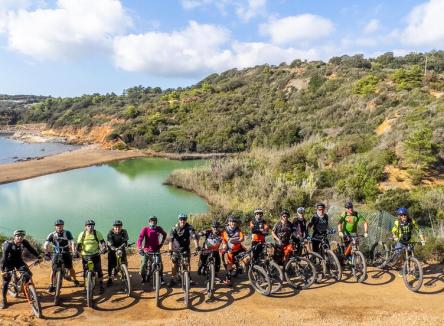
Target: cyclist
x=299, y=227
x=282, y=233
x=12, y=259
x=404, y=228
x=348, y=223
x=259, y=230
x=180, y=237
x=149, y=237
x=116, y=237
x=319, y=222
x=64, y=245
x=212, y=242
x=232, y=238
x=90, y=242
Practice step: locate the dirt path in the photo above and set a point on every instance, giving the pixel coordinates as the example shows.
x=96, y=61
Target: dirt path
x=382, y=300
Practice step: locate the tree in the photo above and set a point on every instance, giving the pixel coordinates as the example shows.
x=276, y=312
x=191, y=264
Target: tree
x=420, y=150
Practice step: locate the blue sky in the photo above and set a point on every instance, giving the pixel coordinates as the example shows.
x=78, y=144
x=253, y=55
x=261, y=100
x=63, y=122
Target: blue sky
x=75, y=47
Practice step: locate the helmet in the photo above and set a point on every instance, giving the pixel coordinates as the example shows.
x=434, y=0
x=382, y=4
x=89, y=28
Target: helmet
x=402, y=211
x=258, y=211
x=320, y=205
x=285, y=212
x=90, y=222
x=117, y=223
x=152, y=218
x=232, y=218
x=19, y=232
x=182, y=216
x=215, y=224
x=301, y=210
x=59, y=222
x=348, y=204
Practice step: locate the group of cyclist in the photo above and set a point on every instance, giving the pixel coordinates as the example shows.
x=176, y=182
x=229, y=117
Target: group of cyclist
x=227, y=241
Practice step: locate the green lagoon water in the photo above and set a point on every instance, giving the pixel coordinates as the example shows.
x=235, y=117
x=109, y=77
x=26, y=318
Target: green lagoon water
x=130, y=190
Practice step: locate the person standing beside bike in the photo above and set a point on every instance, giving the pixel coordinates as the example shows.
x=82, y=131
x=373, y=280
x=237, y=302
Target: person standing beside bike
x=404, y=228
x=300, y=228
x=232, y=238
x=149, y=237
x=212, y=242
x=116, y=237
x=12, y=259
x=259, y=230
x=64, y=245
x=90, y=242
x=282, y=233
x=348, y=223
x=180, y=237
x=319, y=222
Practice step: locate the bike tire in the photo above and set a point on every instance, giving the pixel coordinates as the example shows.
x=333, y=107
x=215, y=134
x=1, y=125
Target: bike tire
x=334, y=267
x=276, y=276
x=13, y=289
x=126, y=279
x=418, y=274
x=58, y=287
x=89, y=289
x=157, y=287
x=300, y=273
x=359, y=266
x=211, y=281
x=34, y=300
x=379, y=254
x=259, y=279
x=319, y=264
x=186, y=289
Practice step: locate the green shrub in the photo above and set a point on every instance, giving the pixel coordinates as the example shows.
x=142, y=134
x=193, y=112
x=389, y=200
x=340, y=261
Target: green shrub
x=408, y=78
x=366, y=85
x=432, y=252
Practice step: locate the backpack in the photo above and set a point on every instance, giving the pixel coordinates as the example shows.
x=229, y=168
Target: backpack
x=83, y=237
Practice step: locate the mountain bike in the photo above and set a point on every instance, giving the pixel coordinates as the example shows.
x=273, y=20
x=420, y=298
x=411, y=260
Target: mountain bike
x=329, y=259
x=21, y=282
x=121, y=269
x=300, y=272
x=153, y=270
x=60, y=271
x=266, y=260
x=182, y=259
x=209, y=270
x=90, y=279
x=351, y=256
x=302, y=250
x=387, y=256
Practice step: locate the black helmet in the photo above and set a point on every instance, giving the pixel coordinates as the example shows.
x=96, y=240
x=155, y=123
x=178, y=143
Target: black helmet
x=320, y=205
x=59, y=222
x=19, y=232
x=285, y=212
x=348, y=204
x=215, y=224
x=152, y=218
x=182, y=216
x=232, y=218
x=90, y=222
x=117, y=223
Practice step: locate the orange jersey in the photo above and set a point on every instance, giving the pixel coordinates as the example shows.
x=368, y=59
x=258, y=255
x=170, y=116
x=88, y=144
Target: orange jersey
x=233, y=239
x=256, y=234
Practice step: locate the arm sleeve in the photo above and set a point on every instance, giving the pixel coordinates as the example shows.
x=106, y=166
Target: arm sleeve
x=193, y=233
x=69, y=236
x=125, y=236
x=5, y=253
x=50, y=237
x=395, y=228
x=164, y=234
x=140, y=238
x=109, y=238
x=100, y=236
x=361, y=218
x=30, y=248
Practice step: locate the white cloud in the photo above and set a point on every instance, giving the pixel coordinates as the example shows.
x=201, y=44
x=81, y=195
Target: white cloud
x=73, y=28
x=426, y=25
x=192, y=4
x=372, y=26
x=251, y=9
x=297, y=28
x=9, y=6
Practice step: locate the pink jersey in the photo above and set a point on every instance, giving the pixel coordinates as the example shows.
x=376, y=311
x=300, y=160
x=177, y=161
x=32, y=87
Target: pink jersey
x=151, y=237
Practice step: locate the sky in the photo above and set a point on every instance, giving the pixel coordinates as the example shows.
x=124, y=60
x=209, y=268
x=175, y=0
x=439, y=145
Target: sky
x=75, y=47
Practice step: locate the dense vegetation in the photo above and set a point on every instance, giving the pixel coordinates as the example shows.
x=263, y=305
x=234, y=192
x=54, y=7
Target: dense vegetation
x=13, y=107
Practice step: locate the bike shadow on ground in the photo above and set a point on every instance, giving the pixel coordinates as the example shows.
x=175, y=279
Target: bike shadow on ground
x=285, y=292
x=433, y=281
x=379, y=277
x=326, y=281
x=70, y=305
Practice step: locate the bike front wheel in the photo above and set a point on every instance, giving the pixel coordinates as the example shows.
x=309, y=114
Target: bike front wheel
x=259, y=279
x=300, y=273
x=34, y=301
x=412, y=274
x=157, y=287
x=126, y=279
x=210, y=280
x=359, y=266
x=333, y=265
x=276, y=276
x=89, y=289
x=186, y=289
x=58, y=286
x=379, y=254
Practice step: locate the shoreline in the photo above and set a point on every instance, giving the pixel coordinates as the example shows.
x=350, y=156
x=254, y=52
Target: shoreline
x=86, y=156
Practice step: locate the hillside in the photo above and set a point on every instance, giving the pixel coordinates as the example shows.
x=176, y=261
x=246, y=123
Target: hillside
x=12, y=107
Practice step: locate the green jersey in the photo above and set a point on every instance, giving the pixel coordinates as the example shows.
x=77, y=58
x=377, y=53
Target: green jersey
x=90, y=242
x=350, y=222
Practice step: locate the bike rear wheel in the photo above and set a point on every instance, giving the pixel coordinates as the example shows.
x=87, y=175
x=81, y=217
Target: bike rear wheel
x=379, y=254
x=13, y=289
x=319, y=264
x=300, y=273
x=359, y=266
x=412, y=274
x=126, y=279
x=58, y=286
x=186, y=289
x=210, y=280
x=333, y=265
x=89, y=289
x=259, y=279
x=276, y=276
x=157, y=287
x=34, y=301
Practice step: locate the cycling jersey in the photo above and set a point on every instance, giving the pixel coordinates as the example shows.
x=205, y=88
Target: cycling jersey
x=232, y=238
x=283, y=231
x=212, y=240
x=89, y=242
x=300, y=228
x=150, y=238
x=403, y=230
x=12, y=254
x=320, y=224
x=60, y=239
x=117, y=239
x=256, y=227
x=181, y=237
x=350, y=222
